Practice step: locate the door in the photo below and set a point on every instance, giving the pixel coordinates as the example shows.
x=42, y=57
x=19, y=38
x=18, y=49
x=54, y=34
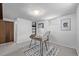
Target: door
x=9, y=31
x=2, y=32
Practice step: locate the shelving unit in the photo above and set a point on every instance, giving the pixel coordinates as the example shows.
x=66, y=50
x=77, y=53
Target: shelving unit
x=33, y=27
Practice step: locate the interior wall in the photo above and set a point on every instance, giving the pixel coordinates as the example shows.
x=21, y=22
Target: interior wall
x=6, y=19
x=64, y=38
x=46, y=26
x=78, y=26
x=23, y=29
x=77, y=14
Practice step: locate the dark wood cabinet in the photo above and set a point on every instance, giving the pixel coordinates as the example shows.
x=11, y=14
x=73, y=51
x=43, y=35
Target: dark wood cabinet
x=6, y=31
x=1, y=12
x=2, y=32
x=9, y=31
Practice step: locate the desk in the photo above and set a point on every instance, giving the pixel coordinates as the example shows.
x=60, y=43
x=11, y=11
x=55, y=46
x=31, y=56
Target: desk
x=42, y=40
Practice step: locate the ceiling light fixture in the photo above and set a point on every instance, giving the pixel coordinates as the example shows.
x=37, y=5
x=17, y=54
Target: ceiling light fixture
x=36, y=12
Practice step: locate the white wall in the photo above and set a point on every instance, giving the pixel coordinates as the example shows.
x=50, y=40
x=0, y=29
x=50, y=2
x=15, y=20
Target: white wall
x=78, y=26
x=46, y=26
x=23, y=29
x=65, y=38
x=6, y=19
x=77, y=14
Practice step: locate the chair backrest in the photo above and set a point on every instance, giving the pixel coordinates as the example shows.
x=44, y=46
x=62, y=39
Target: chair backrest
x=46, y=35
x=32, y=36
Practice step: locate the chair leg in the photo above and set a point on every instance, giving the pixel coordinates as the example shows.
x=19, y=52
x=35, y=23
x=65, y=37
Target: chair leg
x=35, y=42
x=30, y=43
x=41, y=48
x=46, y=45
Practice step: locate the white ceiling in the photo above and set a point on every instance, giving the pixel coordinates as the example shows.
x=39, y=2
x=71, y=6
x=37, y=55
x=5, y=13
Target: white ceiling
x=47, y=10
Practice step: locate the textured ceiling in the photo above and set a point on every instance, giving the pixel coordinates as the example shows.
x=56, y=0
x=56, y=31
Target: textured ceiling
x=47, y=10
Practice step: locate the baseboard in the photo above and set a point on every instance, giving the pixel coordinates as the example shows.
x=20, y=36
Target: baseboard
x=63, y=44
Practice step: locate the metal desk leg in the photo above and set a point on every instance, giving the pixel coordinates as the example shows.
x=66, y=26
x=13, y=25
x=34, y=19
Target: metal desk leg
x=46, y=45
x=41, y=48
x=35, y=42
x=30, y=43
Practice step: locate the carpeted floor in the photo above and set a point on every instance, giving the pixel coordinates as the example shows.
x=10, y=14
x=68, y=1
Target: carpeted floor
x=19, y=49
x=34, y=51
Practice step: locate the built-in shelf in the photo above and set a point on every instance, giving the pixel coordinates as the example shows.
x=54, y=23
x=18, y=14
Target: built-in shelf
x=33, y=27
